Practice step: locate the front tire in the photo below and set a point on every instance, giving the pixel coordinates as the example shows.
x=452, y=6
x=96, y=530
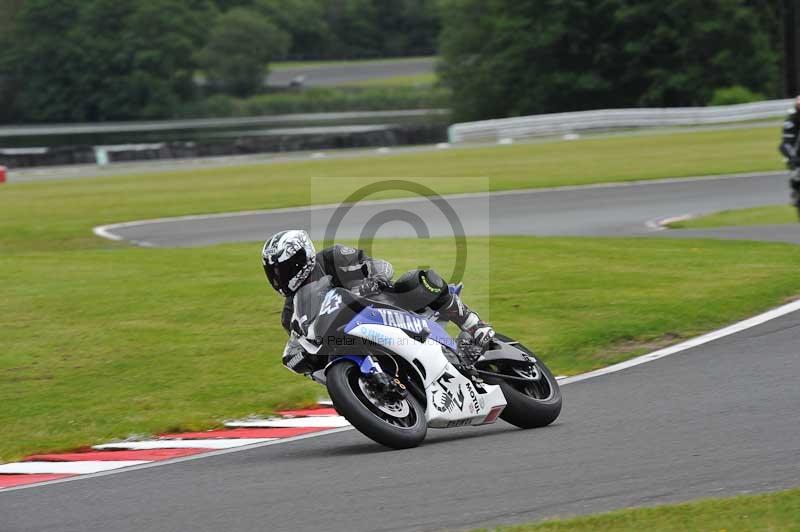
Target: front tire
x=399, y=425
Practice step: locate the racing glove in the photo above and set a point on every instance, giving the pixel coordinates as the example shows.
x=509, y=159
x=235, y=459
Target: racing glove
x=371, y=286
x=483, y=334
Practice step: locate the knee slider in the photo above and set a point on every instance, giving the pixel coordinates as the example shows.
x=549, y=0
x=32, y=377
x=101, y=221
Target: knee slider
x=432, y=281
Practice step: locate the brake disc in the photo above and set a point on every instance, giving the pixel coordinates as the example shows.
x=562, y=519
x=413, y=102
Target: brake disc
x=396, y=408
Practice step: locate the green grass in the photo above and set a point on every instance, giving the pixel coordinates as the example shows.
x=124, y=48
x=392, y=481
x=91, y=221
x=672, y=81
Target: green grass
x=772, y=512
x=101, y=340
x=103, y=343
x=48, y=215
x=767, y=215
x=415, y=80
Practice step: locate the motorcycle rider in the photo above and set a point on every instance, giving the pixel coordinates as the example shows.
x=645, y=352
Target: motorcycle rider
x=789, y=149
x=290, y=262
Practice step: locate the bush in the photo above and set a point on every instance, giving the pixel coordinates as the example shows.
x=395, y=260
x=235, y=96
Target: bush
x=242, y=42
x=510, y=58
x=734, y=95
x=322, y=100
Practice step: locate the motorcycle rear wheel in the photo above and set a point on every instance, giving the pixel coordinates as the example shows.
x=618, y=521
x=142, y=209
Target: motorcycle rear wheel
x=530, y=404
x=525, y=409
x=399, y=424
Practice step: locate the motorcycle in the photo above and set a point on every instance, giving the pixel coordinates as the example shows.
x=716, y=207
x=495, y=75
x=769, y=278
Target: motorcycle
x=393, y=373
x=794, y=185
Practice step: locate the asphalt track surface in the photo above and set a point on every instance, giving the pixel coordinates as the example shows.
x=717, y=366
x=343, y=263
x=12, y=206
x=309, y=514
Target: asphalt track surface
x=358, y=71
x=718, y=419
x=603, y=210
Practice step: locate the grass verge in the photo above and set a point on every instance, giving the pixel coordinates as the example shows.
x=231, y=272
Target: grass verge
x=413, y=80
x=769, y=512
x=49, y=215
x=104, y=343
x=767, y=215
x=279, y=66
x=101, y=340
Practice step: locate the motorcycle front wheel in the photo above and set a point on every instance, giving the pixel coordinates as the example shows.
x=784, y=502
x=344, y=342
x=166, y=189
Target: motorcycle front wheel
x=396, y=423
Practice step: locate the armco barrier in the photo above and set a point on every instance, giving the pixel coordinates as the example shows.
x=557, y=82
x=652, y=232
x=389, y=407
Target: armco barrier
x=561, y=123
x=46, y=130
x=275, y=140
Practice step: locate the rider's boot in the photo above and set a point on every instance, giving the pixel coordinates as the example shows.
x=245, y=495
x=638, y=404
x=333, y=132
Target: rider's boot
x=415, y=289
x=794, y=184
x=467, y=320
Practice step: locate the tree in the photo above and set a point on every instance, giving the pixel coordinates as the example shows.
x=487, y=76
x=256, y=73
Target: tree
x=510, y=57
x=407, y=27
x=106, y=59
x=45, y=62
x=8, y=15
x=241, y=44
x=343, y=29
x=305, y=21
x=161, y=39
x=689, y=49
x=381, y=28
x=353, y=25
x=9, y=10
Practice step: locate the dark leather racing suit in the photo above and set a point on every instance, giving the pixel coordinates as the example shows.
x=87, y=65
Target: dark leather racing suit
x=789, y=147
x=347, y=266
x=414, y=290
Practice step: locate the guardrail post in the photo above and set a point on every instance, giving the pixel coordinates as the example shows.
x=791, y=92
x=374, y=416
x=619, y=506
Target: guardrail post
x=101, y=155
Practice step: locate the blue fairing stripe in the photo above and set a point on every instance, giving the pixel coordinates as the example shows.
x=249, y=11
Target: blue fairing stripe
x=370, y=316
x=364, y=363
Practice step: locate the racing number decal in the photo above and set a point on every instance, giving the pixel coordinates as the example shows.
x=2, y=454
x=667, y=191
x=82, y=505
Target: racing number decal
x=331, y=303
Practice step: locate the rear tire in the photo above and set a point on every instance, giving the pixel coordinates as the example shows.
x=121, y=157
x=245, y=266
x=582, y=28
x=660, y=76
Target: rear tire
x=529, y=406
x=350, y=400
x=527, y=411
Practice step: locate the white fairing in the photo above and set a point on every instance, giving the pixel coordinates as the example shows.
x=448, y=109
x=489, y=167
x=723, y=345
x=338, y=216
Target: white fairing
x=453, y=400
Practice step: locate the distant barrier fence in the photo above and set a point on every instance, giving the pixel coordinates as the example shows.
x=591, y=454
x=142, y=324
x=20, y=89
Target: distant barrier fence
x=209, y=123
x=563, y=123
x=275, y=140
x=63, y=144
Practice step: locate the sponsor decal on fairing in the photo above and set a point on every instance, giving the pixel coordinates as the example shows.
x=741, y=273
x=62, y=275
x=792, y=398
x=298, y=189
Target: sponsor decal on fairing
x=402, y=320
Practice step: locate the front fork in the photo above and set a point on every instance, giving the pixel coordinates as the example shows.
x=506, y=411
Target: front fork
x=374, y=374
x=367, y=364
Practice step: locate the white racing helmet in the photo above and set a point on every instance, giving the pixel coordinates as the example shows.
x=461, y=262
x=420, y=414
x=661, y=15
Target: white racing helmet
x=288, y=258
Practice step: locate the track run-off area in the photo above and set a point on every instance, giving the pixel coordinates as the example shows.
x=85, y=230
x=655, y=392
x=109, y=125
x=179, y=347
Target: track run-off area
x=714, y=419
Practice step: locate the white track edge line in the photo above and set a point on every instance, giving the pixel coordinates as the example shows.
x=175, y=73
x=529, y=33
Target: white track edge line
x=655, y=355
x=689, y=344
x=69, y=467
x=106, y=231
x=180, y=459
x=661, y=224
